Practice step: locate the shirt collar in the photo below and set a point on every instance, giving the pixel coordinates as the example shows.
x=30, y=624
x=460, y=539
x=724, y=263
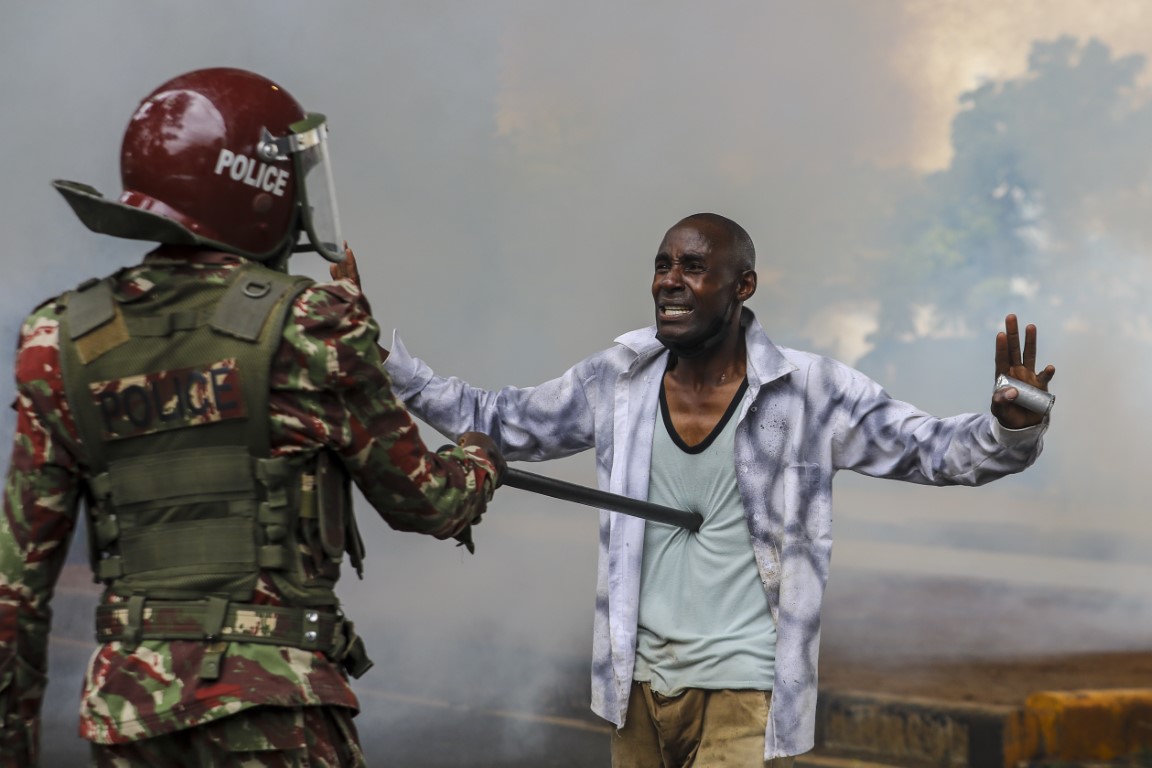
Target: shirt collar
x=766, y=361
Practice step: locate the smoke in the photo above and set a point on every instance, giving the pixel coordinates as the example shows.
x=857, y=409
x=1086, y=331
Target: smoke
x=910, y=172
x=1037, y=213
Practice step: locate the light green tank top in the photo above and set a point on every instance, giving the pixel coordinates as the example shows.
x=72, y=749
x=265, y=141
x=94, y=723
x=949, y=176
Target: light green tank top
x=704, y=620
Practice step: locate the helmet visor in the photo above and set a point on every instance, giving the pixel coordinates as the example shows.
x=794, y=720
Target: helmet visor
x=316, y=189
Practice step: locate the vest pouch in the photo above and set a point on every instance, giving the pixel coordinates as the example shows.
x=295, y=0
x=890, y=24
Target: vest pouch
x=212, y=554
x=332, y=501
x=323, y=486
x=186, y=524
x=338, y=530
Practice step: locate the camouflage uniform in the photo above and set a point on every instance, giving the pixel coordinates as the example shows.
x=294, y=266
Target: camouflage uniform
x=260, y=737
x=328, y=391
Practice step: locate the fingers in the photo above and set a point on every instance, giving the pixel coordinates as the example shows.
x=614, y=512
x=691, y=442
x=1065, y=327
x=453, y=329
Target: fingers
x=346, y=269
x=1008, y=350
x=488, y=445
x=1046, y=375
x=1013, y=331
x=1030, y=347
x=349, y=263
x=1002, y=363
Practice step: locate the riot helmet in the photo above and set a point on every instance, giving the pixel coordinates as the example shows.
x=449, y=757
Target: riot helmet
x=222, y=158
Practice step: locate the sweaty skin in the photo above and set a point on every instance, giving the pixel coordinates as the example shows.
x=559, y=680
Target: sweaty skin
x=698, y=291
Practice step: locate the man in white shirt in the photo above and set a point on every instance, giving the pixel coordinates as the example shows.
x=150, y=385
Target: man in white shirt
x=706, y=644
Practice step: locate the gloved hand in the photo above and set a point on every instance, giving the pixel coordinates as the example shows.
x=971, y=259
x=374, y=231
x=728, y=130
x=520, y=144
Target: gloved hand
x=347, y=270
x=488, y=445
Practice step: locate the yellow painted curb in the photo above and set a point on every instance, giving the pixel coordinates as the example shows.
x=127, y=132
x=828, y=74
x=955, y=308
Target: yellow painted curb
x=1020, y=740
x=1090, y=725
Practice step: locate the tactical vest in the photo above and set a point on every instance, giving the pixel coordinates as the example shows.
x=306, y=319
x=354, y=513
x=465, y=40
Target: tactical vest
x=169, y=392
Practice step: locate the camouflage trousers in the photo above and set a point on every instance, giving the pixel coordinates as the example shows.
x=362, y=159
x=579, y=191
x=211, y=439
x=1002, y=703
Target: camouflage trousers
x=696, y=728
x=260, y=737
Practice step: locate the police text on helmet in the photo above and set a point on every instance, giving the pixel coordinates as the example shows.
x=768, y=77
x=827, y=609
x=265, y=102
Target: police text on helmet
x=252, y=172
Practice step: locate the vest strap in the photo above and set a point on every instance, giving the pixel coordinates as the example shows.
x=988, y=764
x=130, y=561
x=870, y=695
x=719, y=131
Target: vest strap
x=353, y=655
x=109, y=568
x=273, y=557
x=134, y=624
x=221, y=545
x=213, y=659
x=166, y=325
x=107, y=530
x=185, y=474
x=215, y=612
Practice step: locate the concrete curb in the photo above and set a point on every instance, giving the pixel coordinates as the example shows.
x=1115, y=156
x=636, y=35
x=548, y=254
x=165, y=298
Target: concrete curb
x=1050, y=726
x=917, y=731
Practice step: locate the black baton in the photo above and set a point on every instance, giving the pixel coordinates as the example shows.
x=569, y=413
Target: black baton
x=559, y=489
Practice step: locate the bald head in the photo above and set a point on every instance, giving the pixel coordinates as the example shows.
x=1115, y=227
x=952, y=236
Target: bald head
x=741, y=249
x=704, y=272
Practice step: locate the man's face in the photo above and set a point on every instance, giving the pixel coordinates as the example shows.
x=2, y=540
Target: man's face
x=696, y=286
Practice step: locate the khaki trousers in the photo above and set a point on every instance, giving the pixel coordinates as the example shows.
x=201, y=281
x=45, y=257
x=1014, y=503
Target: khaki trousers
x=698, y=729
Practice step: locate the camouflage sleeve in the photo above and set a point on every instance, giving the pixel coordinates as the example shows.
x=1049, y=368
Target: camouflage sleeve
x=40, y=500
x=335, y=392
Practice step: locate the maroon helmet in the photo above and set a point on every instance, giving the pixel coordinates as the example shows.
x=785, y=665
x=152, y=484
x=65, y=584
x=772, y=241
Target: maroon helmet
x=223, y=158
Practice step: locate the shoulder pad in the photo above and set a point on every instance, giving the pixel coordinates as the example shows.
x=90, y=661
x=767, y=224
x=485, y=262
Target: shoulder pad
x=89, y=306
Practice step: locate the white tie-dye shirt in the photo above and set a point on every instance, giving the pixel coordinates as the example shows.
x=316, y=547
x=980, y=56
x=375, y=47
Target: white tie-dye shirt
x=803, y=418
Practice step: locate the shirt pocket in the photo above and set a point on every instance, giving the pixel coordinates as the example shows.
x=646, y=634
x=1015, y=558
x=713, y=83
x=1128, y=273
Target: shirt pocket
x=808, y=506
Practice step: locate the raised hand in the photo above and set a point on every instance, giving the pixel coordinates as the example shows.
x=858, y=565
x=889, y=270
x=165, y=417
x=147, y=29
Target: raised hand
x=347, y=270
x=1021, y=365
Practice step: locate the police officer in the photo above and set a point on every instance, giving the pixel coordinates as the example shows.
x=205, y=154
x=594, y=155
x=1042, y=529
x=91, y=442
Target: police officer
x=211, y=411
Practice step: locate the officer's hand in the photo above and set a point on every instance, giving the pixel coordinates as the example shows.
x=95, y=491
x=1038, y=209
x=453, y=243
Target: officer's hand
x=482, y=441
x=488, y=446
x=347, y=270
